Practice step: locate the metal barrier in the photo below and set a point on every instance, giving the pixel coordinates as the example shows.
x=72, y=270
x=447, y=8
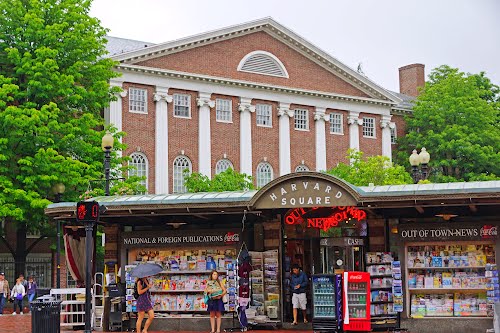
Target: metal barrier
x=45, y=316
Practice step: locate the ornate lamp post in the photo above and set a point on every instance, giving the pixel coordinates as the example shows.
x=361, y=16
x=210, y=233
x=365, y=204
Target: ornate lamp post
x=58, y=190
x=419, y=159
x=107, y=146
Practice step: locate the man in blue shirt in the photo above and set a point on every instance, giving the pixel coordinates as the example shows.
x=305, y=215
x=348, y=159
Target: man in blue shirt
x=298, y=284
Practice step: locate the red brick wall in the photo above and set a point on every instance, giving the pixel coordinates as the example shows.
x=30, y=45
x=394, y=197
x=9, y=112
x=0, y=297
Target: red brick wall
x=222, y=59
x=182, y=134
x=225, y=137
x=265, y=140
x=411, y=78
x=337, y=144
x=140, y=130
x=400, y=125
x=303, y=143
x=371, y=146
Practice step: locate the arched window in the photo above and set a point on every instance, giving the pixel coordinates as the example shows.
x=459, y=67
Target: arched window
x=223, y=165
x=139, y=164
x=264, y=174
x=262, y=62
x=181, y=163
x=301, y=168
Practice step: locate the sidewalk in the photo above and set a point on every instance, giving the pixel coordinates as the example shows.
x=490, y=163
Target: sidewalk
x=22, y=324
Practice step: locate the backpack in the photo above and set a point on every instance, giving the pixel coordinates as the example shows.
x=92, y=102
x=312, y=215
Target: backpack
x=136, y=292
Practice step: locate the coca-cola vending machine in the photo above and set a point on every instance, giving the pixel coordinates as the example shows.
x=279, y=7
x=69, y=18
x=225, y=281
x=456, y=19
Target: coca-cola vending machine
x=356, y=299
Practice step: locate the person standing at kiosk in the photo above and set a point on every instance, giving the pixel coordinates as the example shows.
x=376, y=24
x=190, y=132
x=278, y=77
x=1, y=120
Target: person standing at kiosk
x=299, y=299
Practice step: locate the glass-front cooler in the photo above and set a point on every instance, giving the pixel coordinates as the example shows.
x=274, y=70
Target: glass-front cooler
x=327, y=302
x=356, y=301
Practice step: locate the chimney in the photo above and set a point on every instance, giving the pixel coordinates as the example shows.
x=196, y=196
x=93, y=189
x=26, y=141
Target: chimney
x=411, y=78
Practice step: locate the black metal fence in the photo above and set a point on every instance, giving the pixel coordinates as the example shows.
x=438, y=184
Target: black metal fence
x=39, y=267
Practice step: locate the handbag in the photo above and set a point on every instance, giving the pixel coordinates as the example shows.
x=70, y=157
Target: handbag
x=19, y=297
x=206, y=298
x=225, y=298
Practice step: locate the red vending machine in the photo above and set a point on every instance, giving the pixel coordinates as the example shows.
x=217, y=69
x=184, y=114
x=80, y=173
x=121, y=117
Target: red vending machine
x=356, y=297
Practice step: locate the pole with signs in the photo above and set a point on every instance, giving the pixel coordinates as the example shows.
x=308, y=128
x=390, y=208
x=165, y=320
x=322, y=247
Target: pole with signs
x=88, y=213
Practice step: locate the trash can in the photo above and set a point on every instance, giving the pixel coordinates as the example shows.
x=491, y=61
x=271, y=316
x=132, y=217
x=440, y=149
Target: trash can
x=45, y=316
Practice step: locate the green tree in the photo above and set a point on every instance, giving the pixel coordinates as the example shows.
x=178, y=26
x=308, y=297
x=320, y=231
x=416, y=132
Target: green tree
x=54, y=84
x=456, y=117
x=228, y=180
x=375, y=169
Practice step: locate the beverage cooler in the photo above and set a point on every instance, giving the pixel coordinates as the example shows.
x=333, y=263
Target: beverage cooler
x=327, y=302
x=356, y=294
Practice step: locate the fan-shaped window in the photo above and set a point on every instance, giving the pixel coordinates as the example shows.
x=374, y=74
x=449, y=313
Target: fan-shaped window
x=264, y=174
x=181, y=163
x=301, y=168
x=139, y=164
x=262, y=62
x=223, y=165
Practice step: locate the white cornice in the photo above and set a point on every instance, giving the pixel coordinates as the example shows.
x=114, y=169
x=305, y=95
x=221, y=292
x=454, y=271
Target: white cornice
x=278, y=31
x=249, y=84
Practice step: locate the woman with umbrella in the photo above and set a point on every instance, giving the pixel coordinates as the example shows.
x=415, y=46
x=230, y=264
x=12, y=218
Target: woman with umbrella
x=142, y=295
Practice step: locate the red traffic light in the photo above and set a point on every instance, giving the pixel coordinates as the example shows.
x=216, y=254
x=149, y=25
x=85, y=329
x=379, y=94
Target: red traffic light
x=87, y=211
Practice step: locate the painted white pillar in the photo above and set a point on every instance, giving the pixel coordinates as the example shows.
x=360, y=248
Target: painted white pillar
x=246, y=109
x=354, y=122
x=162, y=99
x=386, y=125
x=284, y=114
x=320, y=119
x=204, y=139
x=115, y=112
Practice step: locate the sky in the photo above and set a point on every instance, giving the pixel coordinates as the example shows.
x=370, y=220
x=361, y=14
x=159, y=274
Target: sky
x=382, y=35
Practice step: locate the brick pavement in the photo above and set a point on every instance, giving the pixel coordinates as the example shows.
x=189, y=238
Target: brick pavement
x=22, y=324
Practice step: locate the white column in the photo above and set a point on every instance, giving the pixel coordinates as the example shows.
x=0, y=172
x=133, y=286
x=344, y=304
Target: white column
x=386, y=125
x=116, y=111
x=285, y=114
x=204, y=139
x=354, y=122
x=246, y=109
x=320, y=120
x=161, y=98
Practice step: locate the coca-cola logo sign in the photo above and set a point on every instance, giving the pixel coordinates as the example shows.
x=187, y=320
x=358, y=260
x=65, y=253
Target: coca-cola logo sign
x=356, y=277
x=231, y=238
x=489, y=231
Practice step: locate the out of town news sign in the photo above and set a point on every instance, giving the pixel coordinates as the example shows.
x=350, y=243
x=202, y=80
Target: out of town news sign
x=305, y=192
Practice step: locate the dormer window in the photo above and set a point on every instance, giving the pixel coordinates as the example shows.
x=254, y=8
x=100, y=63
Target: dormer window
x=262, y=62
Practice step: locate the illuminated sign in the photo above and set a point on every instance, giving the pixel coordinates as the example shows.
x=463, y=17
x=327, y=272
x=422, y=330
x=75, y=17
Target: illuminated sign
x=87, y=211
x=336, y=216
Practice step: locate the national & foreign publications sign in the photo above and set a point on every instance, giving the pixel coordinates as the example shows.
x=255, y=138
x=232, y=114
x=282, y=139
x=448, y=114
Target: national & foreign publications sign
x=451, y=231
x=138, y=239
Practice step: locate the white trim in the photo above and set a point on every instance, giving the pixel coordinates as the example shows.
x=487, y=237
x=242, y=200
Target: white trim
x=275, y=29
x=354, y=123
x=221, y=86
x=284, y=114
x=269, y=54
x=320, y=138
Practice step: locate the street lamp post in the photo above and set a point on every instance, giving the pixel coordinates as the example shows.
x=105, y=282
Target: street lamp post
x=107, y=145
x=58, y=189
x=421, y=159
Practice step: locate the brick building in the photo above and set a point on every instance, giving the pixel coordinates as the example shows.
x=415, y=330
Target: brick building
x=255, y=97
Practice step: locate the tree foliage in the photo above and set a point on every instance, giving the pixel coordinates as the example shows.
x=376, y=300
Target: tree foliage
x=54, y=85
x=377, y=170
x=228, y=180
x=456, y=117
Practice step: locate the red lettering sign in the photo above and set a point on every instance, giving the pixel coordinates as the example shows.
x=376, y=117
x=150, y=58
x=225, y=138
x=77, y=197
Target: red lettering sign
x=337, y=215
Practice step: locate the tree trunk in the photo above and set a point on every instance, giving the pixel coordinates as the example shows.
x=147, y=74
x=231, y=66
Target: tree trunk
x=20, y=255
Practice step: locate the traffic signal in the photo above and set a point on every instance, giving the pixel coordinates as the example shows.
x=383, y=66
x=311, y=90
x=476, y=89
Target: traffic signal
x=87, y=211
